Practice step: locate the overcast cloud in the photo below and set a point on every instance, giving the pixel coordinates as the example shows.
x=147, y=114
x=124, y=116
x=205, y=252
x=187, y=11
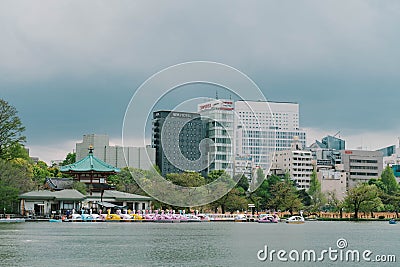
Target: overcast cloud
x=71, y=67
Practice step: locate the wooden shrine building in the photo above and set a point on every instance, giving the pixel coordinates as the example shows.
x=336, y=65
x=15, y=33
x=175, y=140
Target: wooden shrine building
x=91, y=171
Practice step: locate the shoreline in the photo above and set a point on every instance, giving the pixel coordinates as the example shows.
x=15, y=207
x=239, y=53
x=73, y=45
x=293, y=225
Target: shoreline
x=215, y=221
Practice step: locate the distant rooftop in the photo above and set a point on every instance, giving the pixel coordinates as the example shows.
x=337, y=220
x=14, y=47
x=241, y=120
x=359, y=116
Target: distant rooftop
x=59, y=183
x=66, y=194
x=268, y=101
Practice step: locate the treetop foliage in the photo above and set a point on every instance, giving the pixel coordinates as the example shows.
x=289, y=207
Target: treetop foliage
x=11, y=130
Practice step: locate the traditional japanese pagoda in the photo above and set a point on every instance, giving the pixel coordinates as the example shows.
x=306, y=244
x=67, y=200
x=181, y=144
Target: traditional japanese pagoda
x=91, y=171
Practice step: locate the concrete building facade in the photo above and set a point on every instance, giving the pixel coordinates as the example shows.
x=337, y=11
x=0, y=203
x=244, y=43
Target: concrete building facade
x=263, y=127
x=361, y=165
x=327, y=152
x=333, y=180
x=244, y=166
x=297, y=162
x=117, y=156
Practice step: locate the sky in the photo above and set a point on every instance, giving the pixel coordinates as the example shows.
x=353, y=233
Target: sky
x=71, y=67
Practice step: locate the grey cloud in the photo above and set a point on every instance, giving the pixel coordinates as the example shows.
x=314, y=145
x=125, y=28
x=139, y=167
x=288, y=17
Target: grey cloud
x=70, y=67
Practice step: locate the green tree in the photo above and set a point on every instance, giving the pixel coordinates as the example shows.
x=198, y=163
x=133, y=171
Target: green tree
x=305, y=197
x=372, y=205
x=214, y=175
x=54, y=171
x=392, y=202
x=227, y=182
x=257, y=179
x=284, y=196
x=335, y=204
x=15, y=178
x=315, y=185
x=69, y=159
x=8, y=199
x=243, y=182
x=261, y=195
x=40, y=172
x=79, y=186
x=125, y=182
x=389, y=180
x=363, y=197
x=18, y=151
x=186, y=179
x=235, y=200
x=318, y=199
x=18, y=174
x=379, y=184
x=157, y=169
x=11, y=129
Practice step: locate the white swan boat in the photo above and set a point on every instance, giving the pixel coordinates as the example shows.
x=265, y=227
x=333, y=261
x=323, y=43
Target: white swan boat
x=296, y=219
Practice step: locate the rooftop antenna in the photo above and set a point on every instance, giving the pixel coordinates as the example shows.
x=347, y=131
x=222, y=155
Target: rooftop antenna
x=336, y=134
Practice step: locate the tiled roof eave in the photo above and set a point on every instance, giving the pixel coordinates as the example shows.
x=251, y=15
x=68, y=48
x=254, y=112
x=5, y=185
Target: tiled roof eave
x=38, y=197
x=134, y=199
x=89, y=163
x=69, y=198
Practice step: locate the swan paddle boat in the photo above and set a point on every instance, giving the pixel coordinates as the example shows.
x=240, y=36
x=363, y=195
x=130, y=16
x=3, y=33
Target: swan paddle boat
x=296, y=219
x=241, y=218
x=268, y=218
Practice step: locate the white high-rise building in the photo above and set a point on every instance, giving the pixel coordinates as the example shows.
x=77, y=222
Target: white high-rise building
x=262, y=128
x=219, y=116
x=117, y=156
x=296, y=162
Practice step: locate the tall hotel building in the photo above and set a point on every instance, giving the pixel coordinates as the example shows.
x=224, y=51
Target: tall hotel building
x=178, y=149
x=264, y=127
x=219, y=117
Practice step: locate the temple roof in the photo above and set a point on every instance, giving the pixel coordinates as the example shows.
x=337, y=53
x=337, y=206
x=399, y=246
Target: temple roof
x=67, y=194
x=55, y=183
x=90, y=163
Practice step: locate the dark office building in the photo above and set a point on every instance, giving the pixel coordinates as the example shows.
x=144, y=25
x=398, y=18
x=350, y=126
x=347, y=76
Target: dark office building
x=176, y=137
x=333, y=142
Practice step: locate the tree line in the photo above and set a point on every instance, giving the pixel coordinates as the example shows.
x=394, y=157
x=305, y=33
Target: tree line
x=20, y=174
x=276, y=193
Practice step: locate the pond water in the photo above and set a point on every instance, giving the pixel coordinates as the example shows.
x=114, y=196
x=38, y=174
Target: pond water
x=193, y=244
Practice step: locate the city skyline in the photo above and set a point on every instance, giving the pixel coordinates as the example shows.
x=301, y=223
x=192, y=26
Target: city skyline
x=69, y=74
